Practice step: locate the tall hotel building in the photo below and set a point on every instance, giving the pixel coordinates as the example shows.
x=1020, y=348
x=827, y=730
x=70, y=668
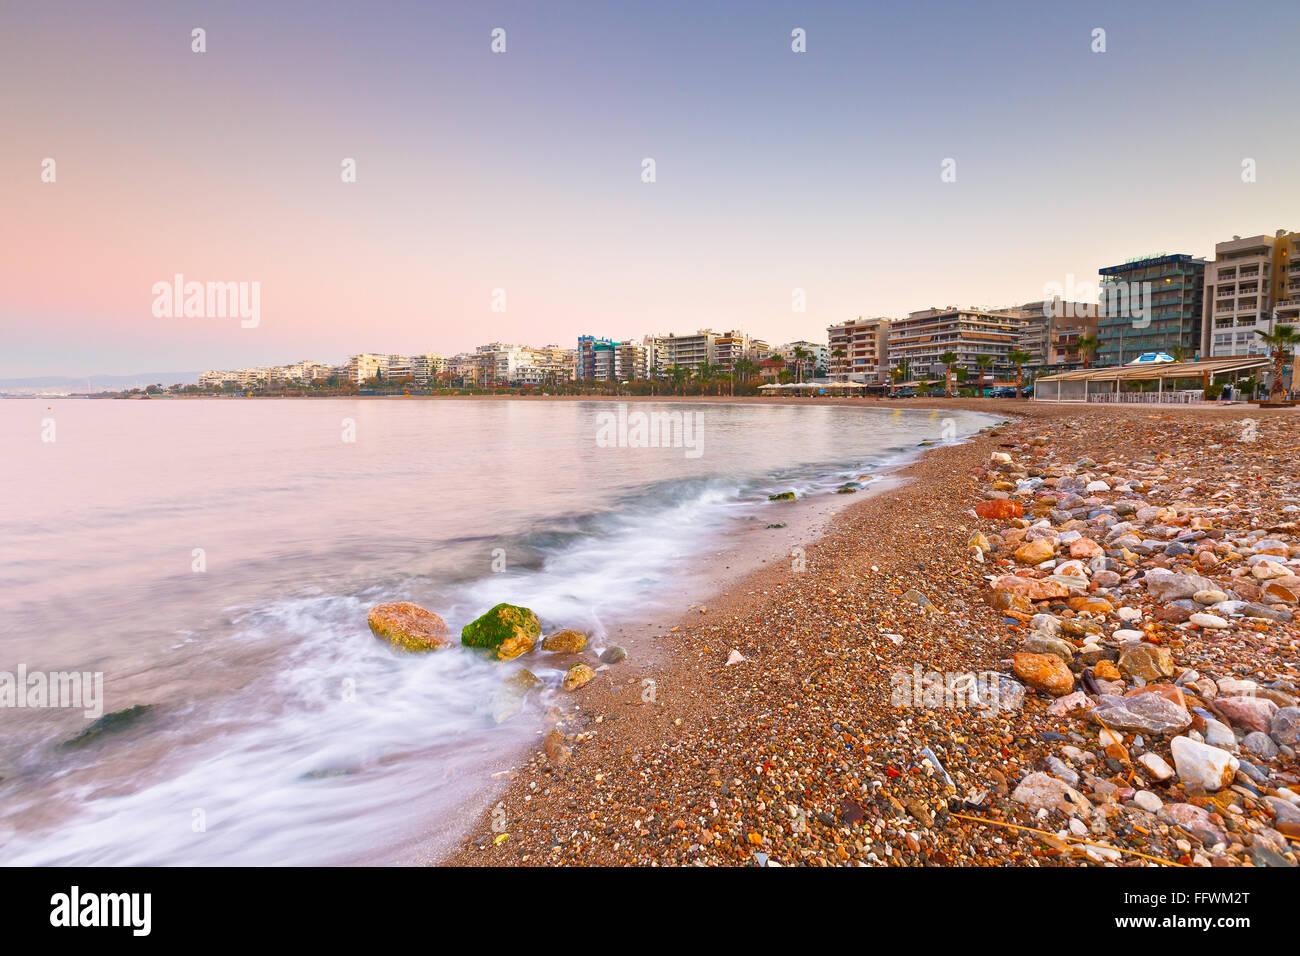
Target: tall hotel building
x=1152, y=304
x=1252, y=284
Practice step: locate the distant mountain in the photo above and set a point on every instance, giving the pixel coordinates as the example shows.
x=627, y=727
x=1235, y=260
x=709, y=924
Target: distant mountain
x=107, y=383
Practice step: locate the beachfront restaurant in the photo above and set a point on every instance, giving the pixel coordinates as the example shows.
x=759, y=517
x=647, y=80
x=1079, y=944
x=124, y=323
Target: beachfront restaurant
x=814, y=388
x=1150, y=380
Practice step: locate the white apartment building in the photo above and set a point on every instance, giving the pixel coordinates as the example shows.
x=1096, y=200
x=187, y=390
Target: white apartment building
x=365, y=366
x=1252, y=284
x=216, y=379
x=917, y=341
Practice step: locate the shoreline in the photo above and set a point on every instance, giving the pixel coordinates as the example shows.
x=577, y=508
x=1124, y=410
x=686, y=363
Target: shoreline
x=717, y=766
x=750, y=548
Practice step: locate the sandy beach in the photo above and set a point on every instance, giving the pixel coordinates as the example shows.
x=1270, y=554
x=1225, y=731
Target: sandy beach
x=800, y=752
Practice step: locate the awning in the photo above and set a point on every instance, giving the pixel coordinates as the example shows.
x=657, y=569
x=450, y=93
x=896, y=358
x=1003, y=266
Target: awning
x=1151, y=371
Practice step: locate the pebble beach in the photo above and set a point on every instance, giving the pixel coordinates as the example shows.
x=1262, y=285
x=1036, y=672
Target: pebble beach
x=1069, y=640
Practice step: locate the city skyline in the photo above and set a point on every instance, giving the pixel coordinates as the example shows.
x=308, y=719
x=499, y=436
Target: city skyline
x=521, y=171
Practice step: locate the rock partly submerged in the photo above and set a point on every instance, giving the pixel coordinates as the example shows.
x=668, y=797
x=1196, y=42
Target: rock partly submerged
x=508, y=630
x=408, y=626
x=114, y=723
x=578, y=676
x=565, y=642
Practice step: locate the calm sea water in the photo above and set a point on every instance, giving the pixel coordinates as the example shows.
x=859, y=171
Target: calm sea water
x=279, y=731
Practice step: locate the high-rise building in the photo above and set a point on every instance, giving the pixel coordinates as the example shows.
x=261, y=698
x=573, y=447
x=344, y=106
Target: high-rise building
x=1252, y=284
x=858, y=350
x=1150, y=304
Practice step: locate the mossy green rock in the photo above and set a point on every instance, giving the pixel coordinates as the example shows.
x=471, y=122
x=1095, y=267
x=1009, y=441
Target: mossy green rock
x=507, y=629
x=783, y=496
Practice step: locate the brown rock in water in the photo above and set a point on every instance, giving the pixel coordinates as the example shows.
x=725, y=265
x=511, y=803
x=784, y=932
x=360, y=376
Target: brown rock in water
x=578, y=675
x=999, y=509
x=1045, y=672
x=564, y=642
x=408, y=626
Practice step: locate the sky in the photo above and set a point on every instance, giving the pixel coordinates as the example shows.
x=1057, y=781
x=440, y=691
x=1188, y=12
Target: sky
x=522, y=170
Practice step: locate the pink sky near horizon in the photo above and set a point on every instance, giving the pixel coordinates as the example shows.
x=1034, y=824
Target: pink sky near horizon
x=521, y=172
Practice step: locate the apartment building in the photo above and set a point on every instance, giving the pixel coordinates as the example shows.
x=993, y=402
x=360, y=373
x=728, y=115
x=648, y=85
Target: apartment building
x=365, y=366
x=606, y=360
x=397, y=368
x=916, y=342
x=547, y=365
x=858, y=350
x=213, y=378
x=1151, y=304
x=464, y=368
x=1251, y=285
x=730, y=348
x=595, y=359
x=630, y=362
x=427, y=366
x=685, y=351
x=1286, y=288
x=1051, y=329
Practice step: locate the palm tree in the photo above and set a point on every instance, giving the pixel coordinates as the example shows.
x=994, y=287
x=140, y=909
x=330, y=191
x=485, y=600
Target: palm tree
x=1018, y=358
x=1281, y=342
x=948, y=358
x=838, y=355
x=801, y=355
x=705, y=372
x=1087, y=346
x=745, y=370
x=678, y=376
